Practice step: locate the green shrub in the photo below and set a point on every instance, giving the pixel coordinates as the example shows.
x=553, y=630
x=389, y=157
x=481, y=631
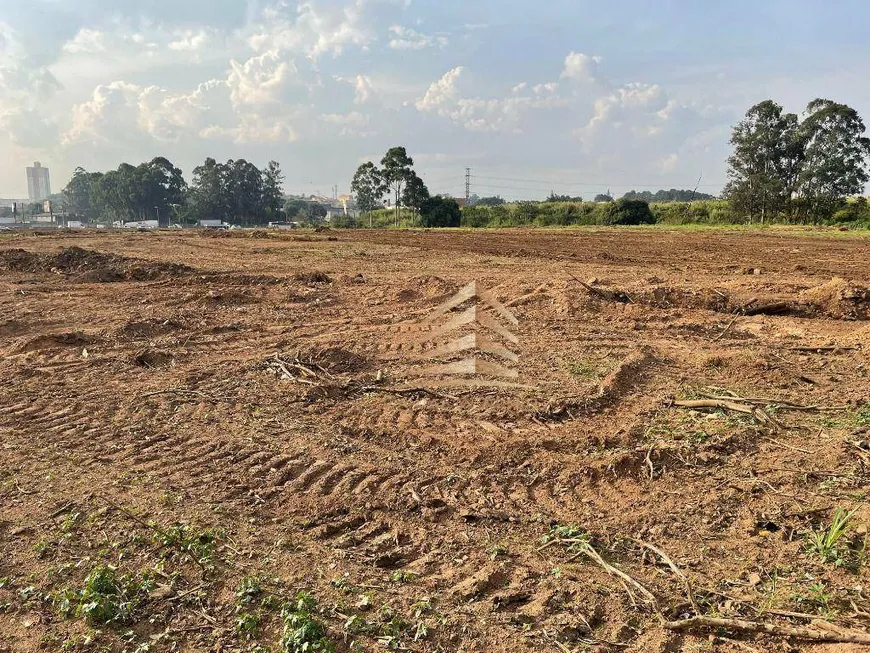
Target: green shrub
x=626, y=212
x=440, y=212
x=106, y=597
x=302, y=632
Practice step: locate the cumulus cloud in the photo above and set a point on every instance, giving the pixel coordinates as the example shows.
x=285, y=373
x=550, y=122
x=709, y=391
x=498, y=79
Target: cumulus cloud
x=581, y=67
x=443, y=92
x=314, y=29
x=261, y=80
x=405, y=38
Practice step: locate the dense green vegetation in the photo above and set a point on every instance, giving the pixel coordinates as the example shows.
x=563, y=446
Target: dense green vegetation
x=236, y=191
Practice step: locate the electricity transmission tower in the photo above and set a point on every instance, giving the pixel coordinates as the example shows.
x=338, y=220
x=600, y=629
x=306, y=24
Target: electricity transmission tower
x=467, y=185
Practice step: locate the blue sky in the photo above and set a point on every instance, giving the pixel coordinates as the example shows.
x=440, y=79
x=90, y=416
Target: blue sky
x=572, y=96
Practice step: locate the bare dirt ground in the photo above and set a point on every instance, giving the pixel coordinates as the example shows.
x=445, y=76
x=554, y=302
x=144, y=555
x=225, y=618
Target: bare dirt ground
x=164, y=486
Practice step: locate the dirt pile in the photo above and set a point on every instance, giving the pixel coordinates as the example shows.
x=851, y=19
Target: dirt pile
x=86, y=265
x=838, y=299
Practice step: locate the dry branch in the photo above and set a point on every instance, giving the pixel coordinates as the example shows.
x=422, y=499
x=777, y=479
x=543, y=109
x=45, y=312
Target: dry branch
x=674, y=569
x=822, y=633
x=727, y=404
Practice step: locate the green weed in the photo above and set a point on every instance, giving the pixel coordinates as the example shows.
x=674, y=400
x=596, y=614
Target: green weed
x=824, y=542
x=250, y=591
x=303, y=632
x=247, y=623
x=400, y=576
x=106, y=597
x=862, y=418
x=199, y=545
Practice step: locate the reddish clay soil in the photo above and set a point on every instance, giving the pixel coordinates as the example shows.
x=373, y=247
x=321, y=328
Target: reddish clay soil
x=147, y=424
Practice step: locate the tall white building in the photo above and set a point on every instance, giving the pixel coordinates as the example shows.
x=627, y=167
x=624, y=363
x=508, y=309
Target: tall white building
x=38, y=183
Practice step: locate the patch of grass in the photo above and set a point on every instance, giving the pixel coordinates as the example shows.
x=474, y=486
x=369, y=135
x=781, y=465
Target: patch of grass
x=581, y=369
x=106, y=597
x=825, y=542
x=862, y=418
x=303, y=632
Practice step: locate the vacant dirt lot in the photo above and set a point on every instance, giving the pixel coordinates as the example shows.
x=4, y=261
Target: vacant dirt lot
x=168, y=484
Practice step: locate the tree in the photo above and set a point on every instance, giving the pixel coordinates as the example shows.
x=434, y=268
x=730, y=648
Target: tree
x=273, y=192
x=80, y=194
x=440, y=212
x=672, y=195
x=368, y=186
x=161, y=187
x=601, y=197
x=835, y=154
x=490, y=201
x=553, y=197
x=763, y=168
x=627, y=212
x=396, y=169
x=415, y=193
x=207, y=199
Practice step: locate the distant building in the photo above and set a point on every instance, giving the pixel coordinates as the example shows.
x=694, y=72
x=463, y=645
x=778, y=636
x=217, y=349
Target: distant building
x=38, y=183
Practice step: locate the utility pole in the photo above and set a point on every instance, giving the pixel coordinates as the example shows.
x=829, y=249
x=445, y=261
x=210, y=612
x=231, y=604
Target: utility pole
x=467, y=185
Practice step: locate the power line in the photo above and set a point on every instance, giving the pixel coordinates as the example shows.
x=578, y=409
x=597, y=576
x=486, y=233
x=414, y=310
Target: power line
x=550, y=183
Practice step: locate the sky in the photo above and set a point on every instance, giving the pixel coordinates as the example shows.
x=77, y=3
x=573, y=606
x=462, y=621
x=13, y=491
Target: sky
x=568, y=96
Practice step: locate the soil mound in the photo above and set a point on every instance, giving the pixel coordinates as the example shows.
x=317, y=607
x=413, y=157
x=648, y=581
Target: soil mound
x=86, y=265
x=313, y=277
x=56, y=341
x=336, y=360
x=838, y=299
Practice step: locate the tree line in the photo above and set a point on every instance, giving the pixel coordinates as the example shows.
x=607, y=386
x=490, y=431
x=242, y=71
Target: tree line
x=236, y=190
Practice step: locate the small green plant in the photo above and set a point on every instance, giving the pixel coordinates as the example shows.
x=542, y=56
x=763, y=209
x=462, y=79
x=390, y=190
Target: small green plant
x=199, y=545
x=303, y=632
x=250, y=591
x=863, y=416
x=106, y=597
x=43, y=549
x=824, y=542
x=247, y=623
x=497, y=550
x=816, y=597
x=400, y=576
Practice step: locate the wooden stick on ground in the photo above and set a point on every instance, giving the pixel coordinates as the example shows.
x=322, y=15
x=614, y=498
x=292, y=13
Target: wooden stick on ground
x=674, y=569
x=726, y=329
x=591, y=553
x=822, y=633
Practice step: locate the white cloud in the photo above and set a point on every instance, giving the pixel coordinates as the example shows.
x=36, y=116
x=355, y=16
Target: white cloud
x=442, y=92
x=581, y=67
x=98, y=42
x=405, y=38
x=314, y=29
x=191, y=40
x=261, y=80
